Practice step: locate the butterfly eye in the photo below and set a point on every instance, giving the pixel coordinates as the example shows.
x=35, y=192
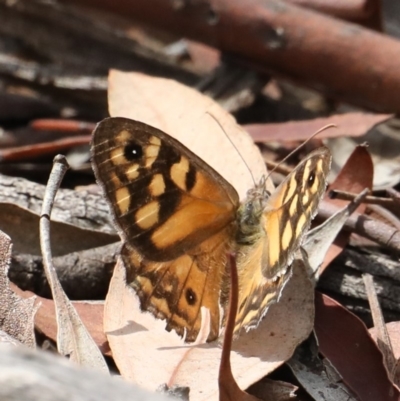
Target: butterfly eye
x=311, y=179
x=191, y=296
x=133, y=151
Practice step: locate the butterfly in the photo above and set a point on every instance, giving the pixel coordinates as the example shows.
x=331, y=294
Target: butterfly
x=178, y=219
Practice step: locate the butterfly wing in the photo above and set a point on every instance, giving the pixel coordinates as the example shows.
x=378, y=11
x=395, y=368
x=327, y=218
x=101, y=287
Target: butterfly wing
x=174, y=214
x=264, y=265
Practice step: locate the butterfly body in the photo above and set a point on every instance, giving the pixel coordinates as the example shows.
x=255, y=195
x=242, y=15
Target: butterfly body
x=179, y=218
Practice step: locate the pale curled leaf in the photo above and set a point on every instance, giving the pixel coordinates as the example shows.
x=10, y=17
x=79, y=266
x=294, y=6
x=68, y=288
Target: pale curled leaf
x=137, y=340
x=16, y=314
x=72, y=338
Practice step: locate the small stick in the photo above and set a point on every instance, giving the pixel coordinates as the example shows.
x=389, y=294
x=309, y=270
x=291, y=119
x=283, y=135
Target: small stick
x=365, y=226
x=375, y=200
x=60, y=166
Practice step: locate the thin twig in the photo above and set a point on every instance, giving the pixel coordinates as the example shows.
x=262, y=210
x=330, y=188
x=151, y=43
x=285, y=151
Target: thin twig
x=375, y=200
x=60, y=166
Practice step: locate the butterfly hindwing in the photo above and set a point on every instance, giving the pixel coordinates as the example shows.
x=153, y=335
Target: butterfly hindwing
x=176, y=290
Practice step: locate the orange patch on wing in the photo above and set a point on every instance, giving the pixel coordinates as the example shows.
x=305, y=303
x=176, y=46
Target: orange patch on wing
x=274, y=237
x=147, y=216
x=179, y=172
x=123, y=199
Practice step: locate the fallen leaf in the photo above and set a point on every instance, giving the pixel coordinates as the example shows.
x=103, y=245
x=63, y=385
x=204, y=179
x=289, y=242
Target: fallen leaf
x=16, y=314
x=383, y=145
x=356, y=175
x=90, y=312
x=191, y=118
x=349, y=124
x=345, y=341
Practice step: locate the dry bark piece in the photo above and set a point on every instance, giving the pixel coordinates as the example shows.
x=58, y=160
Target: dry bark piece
x=16, y=314
x=23, y=227
x=51, y=148
x=85, y=209
x=329, y=54
x=83, y=275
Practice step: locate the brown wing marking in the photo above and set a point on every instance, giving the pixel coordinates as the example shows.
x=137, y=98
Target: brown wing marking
x=177, y=289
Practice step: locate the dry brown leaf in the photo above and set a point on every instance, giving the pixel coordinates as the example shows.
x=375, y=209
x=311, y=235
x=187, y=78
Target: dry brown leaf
x=148, y=355
x=384, y=147
x=16, y=314
x=349, y=124
x=91, y=313
x=356, y=175
x=184, y=114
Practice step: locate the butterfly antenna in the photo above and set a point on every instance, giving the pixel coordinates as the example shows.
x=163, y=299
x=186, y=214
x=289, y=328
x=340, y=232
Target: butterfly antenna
x=237, y=150
x=302, y=145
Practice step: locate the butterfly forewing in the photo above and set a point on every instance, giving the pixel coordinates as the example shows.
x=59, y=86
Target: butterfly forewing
x=164, y=198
